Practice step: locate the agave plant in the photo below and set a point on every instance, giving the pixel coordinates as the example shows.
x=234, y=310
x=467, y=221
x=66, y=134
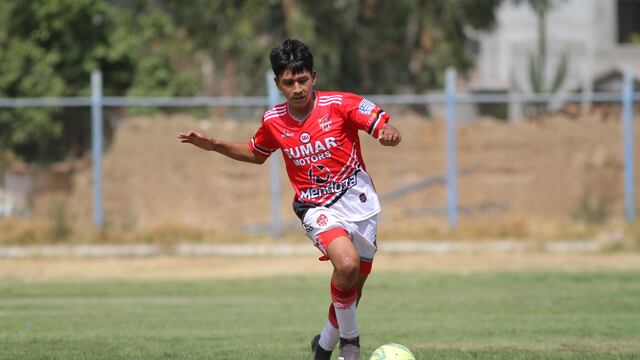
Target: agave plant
x=538, y=61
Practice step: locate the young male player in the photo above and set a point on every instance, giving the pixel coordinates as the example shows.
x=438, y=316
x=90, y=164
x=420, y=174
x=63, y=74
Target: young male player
x=317, y=132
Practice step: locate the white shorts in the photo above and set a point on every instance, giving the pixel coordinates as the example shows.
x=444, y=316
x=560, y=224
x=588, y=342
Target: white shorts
x=319, y=221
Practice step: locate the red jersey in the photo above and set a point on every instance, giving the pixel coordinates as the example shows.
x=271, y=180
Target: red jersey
x=322, y=152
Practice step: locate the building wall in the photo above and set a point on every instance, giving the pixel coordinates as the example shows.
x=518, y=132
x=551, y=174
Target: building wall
x=586, y=30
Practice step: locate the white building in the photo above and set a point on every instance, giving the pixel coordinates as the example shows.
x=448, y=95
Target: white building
x=595, y=35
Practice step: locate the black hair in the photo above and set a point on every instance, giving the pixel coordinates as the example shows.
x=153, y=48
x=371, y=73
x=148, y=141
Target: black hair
x=291, y=55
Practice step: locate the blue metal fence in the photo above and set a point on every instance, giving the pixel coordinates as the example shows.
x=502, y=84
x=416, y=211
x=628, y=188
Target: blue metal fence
x=451, y=98
x=627, y=119
x=452, y=157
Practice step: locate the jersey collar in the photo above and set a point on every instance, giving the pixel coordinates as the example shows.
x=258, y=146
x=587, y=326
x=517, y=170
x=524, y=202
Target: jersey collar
x=301, y=121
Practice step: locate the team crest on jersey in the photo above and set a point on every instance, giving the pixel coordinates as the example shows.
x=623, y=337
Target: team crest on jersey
x=319, y=174
x=305, y=137
x=365, y=107
x=325, y=123
x=322, y=220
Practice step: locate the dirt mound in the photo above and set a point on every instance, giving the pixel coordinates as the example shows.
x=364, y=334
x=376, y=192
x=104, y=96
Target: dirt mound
x=554, y=170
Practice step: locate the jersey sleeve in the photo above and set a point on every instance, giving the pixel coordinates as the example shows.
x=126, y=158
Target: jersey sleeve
x=364, y=114
x=262, y=143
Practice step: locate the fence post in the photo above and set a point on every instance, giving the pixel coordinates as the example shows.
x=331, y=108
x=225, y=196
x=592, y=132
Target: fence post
x=627, y=119
x=273, y=95
x=96, y=147
x=514, y=111
x=452, y=171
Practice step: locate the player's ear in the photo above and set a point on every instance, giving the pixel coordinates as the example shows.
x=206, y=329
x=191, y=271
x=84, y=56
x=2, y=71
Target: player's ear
x=275, y=80
x=313, y=78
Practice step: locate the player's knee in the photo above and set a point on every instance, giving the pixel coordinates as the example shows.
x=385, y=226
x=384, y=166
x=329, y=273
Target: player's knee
x=348, y=269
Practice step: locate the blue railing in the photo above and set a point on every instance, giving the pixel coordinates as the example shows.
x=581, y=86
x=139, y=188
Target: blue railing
x=450, y=98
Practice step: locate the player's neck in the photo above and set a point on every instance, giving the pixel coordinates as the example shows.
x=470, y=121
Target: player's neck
x=301, y=114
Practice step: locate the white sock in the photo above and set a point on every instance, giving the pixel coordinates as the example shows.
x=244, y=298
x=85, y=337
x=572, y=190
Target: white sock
x=347, y=321
x=329, y=337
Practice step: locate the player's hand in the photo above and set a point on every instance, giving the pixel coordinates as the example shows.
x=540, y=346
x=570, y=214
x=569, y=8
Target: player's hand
x=197, y=139
x=389, y=135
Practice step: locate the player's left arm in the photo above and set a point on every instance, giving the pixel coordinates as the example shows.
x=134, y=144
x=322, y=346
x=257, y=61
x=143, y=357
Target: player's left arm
x=370, y=117
x=389, y=135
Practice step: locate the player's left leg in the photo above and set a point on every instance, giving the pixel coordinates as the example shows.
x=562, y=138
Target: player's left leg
x=362, y=278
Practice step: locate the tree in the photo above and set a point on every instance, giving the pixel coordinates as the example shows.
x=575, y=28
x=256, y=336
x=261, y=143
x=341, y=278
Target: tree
x=231, y=40
x=49, y=48
x=438, y=37
x=359, y=45
x=392, y=46
x=160, y=47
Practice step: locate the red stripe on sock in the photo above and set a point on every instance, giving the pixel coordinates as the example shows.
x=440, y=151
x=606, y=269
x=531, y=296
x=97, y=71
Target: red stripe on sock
x=332, y=316
x=343, y=298
x=365, y=267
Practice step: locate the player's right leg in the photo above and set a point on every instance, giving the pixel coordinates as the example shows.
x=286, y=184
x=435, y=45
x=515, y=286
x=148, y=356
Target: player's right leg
x=330, y=335
x=346, y=266
x=363, y=238
x=330, y=235
x=344, y=293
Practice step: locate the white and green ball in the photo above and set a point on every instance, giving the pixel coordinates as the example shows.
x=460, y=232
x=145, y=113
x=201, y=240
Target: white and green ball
x=392, y=352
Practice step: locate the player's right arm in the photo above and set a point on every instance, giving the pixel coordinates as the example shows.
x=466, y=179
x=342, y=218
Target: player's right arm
x=240, y=151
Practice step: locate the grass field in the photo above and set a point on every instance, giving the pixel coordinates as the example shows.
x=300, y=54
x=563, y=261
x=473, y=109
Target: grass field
x=485, y=315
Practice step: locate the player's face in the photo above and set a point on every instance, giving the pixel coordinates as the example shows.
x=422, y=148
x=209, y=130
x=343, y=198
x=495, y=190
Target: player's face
x=297, y=88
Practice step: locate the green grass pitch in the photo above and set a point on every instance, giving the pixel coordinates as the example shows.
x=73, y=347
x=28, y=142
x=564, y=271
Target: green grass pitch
x=490, y=315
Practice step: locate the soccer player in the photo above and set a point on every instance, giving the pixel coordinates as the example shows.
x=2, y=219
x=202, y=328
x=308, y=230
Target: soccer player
x=317, y=132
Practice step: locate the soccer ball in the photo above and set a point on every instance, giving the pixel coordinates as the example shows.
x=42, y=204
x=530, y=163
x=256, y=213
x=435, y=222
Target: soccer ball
x=392, y=352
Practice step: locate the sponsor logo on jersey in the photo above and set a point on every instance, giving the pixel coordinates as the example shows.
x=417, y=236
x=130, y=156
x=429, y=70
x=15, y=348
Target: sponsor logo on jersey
x=312, y=159
x=286, y=133
x=331, y=188
x=310, y=152
x=319, y=174
x=305, y=137
x=322, y=220
x=366, y=106
x=325, y=123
